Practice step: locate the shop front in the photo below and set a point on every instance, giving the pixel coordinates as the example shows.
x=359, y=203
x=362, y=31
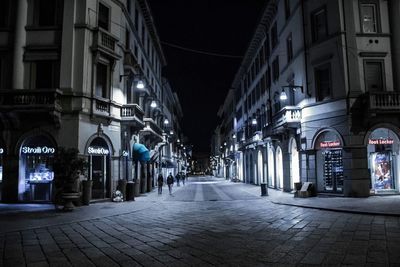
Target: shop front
x=329, y=162
x=2, y=151
x=382, y=149
x=36, y=157
x=271, y=165
x=99, y=168
x=294, y=163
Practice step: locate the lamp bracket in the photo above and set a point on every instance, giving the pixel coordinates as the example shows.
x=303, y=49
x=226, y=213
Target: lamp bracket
x=293, y=87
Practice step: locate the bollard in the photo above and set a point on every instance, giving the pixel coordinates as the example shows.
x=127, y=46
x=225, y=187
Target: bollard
x=264, y=190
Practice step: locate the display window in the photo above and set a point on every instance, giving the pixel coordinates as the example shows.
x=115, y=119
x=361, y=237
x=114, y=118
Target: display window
x=382, y=162
x=329, y=163
x=36, y=169
x=99, y=162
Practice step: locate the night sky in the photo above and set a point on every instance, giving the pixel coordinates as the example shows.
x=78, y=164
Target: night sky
x=202, y=81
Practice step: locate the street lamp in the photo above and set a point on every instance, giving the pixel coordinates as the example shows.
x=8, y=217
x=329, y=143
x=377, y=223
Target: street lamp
x=254, y=121
x=166, y=121
x=153, y=104
x=283, y=96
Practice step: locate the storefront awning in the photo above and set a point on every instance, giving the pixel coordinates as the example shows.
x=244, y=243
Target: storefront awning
x=140, y=152
x=169, y=164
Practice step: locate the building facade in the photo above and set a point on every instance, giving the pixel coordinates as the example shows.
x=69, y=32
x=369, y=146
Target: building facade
x=81, y=74
x=317, y=97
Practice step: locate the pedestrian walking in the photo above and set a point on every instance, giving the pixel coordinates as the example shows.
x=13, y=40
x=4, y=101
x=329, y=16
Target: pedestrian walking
x=183, y=178
x=160, y=182
x=170, y=182
x=177, y=177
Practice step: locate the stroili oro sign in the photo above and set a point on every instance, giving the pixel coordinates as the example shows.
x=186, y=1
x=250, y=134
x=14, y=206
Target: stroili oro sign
x=95, y=150
x=383, y=141
x=38, y=150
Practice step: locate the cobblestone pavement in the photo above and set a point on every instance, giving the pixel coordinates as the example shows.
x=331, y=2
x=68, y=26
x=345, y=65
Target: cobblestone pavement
x=209, y=223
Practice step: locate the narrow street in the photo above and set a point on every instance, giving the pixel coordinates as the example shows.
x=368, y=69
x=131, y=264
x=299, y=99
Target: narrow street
x=206, y=223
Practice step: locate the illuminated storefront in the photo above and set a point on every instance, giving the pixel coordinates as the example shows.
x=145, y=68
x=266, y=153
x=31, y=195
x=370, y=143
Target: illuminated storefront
x=1, y=170
x=382, y=149
x=279, y=168
x=294, y=163
x=271, y=166
x=329, y=158
x=99, y=168
x=36, y=169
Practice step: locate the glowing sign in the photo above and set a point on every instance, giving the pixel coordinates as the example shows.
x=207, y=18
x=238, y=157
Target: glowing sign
x=328, y=144
x=38, y=150
x=98, y=151
x=380, y=141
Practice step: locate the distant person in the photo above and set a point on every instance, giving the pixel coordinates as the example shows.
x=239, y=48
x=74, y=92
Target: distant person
x=160, y=182
x=177, y=177
x=183, y=178
x=170, y=182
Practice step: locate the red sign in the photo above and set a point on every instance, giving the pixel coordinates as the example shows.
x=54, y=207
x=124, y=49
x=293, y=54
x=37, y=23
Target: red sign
x=380, y=141
x=325, y=144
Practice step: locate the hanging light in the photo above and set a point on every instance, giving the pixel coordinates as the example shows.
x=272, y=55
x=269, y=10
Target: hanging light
x=171, y=132
x=153, y=104
x=140, y=84
x=234, y=136
x=166, y=121
x=283, y=95
x=254, y=121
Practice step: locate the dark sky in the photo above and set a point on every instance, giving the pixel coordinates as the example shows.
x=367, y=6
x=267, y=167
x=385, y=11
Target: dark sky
x=202, y=81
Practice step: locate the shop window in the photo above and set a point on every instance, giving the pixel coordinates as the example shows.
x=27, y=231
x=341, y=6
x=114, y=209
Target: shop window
x=319, y=25
x=323, y=82
x=373, y=75
x=45, y=74
x=102, y=80
x=48, y=13
x=104, y=17
x=369, y=16
x=274, y=36
x=289, y=48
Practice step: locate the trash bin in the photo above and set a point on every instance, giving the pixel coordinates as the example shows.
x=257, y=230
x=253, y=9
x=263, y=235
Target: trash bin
x=130, y=191
x=264, y=190
x=86, y=191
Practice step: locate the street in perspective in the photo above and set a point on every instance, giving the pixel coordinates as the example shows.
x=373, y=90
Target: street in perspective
x=206, y=222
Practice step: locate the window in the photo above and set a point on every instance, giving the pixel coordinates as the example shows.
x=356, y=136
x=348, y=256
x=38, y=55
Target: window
x=368, y=13
x=323, y=82
x=373, y=73
x=104, y=16
x=136, y=18
x=4, y=13
x=275, y=69
x=289, y=48
x=128, y=6
x=45, y=74
x=127, y=40
x=267, y=47
x=287, y=9
x=274, y=36
x=319, y=25
x=102, y=80
x=48, y=13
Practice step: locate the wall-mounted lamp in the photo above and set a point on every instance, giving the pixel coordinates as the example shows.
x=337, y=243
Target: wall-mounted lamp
x=234, y=136
x=166, y=121
x=283, y=96
x=254, y=121
x=171, y=132
x=153, y=104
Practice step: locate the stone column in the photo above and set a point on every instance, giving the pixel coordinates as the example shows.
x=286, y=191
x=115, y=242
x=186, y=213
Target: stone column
x=68, y=44
x=10, y=178
x=394, y=17
x=356, y=176
x=19, y=44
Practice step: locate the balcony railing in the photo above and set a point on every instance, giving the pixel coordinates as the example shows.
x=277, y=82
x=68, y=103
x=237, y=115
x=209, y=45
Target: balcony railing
x=131, y=111
x=101, y=107
x=151, y=124
x=104, y=40
x=287, y=116
x=384, y=101
x=48, y=99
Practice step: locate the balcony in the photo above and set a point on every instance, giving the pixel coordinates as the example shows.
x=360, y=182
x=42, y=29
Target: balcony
x=104, y=42
x=132, y=115
x=383, y=102
x=152, y=130
x=130, y=60
x=287, y=117
x=22, y=105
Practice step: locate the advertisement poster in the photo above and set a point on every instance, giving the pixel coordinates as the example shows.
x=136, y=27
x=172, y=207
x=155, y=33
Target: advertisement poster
x=381, y=170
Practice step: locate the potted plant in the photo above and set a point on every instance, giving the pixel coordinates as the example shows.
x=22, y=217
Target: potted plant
x=68, y=166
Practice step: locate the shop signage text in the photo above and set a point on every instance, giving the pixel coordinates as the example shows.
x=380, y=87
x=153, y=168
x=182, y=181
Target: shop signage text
x=38, y=150
x=98, y=151
x=325, y=144
x=380, y=141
